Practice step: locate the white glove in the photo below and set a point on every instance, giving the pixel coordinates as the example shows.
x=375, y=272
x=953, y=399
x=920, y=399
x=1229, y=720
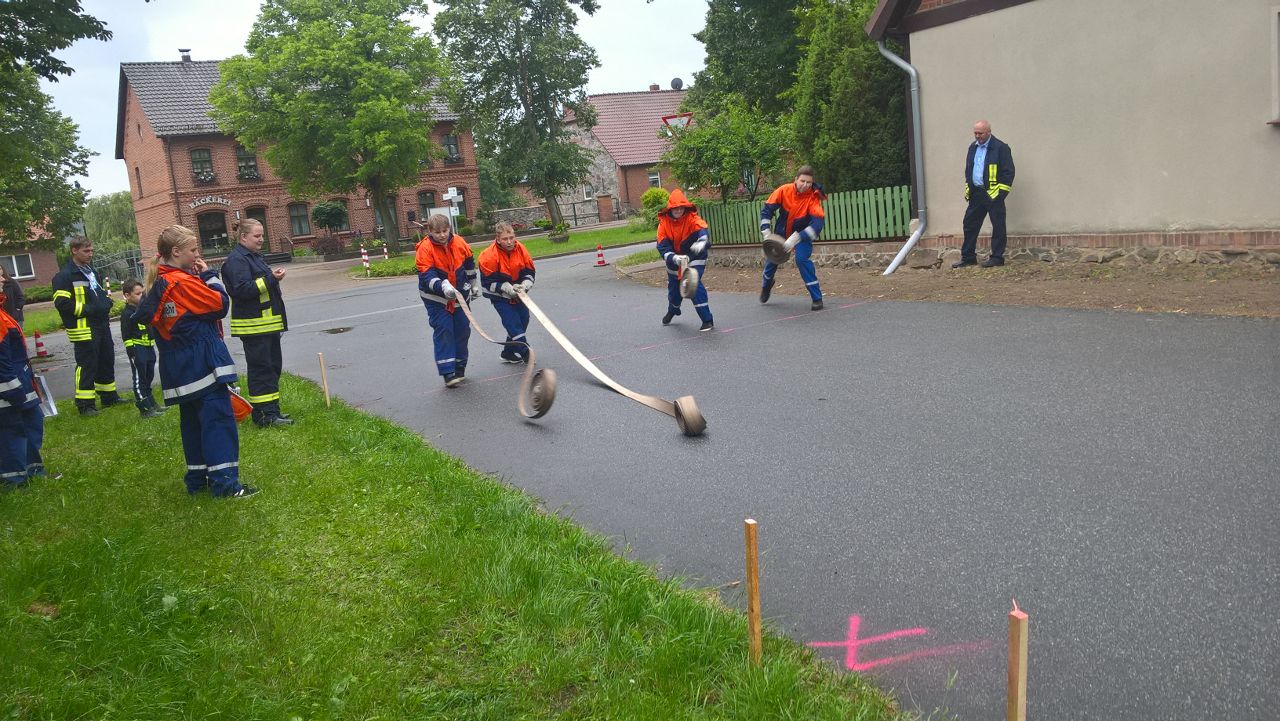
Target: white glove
x=681, y=260
x=764, y=233
x=527, y=284
x=474, y=290
x=698, y=247
x=447, y=290
x=791, y=242
x=507, y=290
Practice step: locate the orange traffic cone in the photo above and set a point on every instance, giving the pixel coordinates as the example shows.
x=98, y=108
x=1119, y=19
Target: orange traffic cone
x=40, y=351
x=600, y=261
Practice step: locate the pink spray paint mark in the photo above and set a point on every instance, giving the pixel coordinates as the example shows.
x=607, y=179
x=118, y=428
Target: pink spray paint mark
x=852, y=644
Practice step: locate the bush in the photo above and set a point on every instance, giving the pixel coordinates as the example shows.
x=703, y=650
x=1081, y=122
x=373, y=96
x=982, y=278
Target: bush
x=38, y=293
x=328, y=245
x=543, y=223
x=653, y=200
x=302, y=251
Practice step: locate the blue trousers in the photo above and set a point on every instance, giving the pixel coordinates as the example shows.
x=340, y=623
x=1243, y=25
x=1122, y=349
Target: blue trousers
x=515, y=321
x=211, y=443
x=449, y=335
x=142, y=364
x=21, y=435
x=804, y=249
x=700, y=304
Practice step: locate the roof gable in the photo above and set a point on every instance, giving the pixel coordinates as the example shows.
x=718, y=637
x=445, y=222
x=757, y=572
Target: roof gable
x=627, y=124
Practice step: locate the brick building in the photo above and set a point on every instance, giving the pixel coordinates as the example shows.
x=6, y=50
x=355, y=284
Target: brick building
x=182, y=169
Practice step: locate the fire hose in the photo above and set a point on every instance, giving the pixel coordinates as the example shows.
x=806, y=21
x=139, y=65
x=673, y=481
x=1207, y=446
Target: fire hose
x=537, y=387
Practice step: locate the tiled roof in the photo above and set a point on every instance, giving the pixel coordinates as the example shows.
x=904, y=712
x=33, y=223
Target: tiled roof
x=627, y=124
x=175, y=97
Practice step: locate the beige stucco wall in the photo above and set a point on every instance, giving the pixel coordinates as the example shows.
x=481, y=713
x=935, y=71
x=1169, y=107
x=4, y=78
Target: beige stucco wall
x=1123, y=115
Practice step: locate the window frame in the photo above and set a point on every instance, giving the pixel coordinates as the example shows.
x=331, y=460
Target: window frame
x=305, y=217
x=207, y=161
x=655, y=179
x=455, y=157
x=247, y=164
x=424, y=210
x=12, y=265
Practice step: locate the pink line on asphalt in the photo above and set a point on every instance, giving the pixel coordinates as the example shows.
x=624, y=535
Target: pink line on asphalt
x=852, y=643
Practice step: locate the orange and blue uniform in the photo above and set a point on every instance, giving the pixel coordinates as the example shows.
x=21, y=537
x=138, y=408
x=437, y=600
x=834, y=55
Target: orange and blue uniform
x=450, y=262
x=797, y=213
x=498, y=266
x=196, y=369
x=21, y=420
x=687, y=236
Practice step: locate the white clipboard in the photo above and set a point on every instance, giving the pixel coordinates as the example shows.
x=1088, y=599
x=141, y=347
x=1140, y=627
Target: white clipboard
x=47, y=404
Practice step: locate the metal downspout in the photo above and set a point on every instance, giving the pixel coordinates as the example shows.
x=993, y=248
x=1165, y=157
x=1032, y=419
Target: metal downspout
x=917, y=159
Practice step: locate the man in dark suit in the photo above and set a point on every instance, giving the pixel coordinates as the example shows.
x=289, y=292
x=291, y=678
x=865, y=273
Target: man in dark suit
x=988, y=178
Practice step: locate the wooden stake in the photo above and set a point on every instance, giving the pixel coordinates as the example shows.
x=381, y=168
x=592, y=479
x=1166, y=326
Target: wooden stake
x=324, y=379
x=753, y=592
x=1017, y=664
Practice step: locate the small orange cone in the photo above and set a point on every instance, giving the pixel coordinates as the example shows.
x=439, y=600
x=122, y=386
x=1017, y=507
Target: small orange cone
x=40, y=351
x=600, y=261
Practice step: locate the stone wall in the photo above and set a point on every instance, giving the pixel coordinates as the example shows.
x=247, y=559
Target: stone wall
x=525, y=216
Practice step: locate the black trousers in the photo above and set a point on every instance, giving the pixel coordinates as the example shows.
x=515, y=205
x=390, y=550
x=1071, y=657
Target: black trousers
x=980, y=206
x=264, y=363
x=96, y=368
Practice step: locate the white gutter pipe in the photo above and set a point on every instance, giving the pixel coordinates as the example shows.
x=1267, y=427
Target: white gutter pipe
x=918, y=155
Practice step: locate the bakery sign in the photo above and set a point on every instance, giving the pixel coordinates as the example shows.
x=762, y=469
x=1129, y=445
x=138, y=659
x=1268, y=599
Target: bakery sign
x=209, y=200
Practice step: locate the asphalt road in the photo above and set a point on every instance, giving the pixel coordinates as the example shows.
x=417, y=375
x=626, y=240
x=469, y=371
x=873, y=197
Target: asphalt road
x=913, y=467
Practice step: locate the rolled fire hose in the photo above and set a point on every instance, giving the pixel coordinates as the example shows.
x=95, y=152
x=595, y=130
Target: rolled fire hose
x=683, y=409
x=688, y=278
x=537, y=387
x=775, y=249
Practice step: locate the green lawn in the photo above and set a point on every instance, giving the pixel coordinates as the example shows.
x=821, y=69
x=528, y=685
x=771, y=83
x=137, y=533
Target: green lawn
x=538, y=247
x=47, y=320
x=373, y=577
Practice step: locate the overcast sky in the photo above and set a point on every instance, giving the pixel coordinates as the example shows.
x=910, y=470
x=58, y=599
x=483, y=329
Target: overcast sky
x=638, y=43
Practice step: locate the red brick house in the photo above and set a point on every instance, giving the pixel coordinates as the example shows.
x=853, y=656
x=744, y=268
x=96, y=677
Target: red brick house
x=182, y=169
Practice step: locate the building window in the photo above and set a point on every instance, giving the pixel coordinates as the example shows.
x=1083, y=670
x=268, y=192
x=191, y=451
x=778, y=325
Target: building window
x=346, y=216
x=246, y=164
x=299, y=221
x=213, y=232
x=377, y=213
x=588, y=192
x=202, y=166
x=655, y=180
x=452, y=155
x=137, y=179
x=19, y=266
x=462, y=203
x=426, y=201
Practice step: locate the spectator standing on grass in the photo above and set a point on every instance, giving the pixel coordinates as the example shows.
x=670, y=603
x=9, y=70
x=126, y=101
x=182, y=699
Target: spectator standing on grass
x=14, y=298
x=988, y=179
x=184, y=303
x=21, y=419
x=505, y=268
x=85, y=308
x=800, y=218
x=257, y=319
x=447, y=276
x=141, y=350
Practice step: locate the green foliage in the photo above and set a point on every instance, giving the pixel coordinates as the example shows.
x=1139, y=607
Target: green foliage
x=752, y=51
x=543, y=223
x=338, y=93
x=653, y=200
x=522, y=65
x=41, y=151
x=737, y=146
x=327, y=245
x=31, y=30
x=329, y=214
x=850, y=119
x=38, y=293
x=109, y=222
x=495, y=190
x=644, y=256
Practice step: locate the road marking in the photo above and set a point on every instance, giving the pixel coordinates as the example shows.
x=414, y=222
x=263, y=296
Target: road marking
x=852, y=643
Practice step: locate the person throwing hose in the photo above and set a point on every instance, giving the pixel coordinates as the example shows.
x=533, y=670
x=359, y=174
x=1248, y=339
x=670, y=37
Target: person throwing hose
x=798, y=206
x=683, y=242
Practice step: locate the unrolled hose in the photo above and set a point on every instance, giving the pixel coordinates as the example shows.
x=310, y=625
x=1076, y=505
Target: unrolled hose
x=537, y=387
x=684, y=409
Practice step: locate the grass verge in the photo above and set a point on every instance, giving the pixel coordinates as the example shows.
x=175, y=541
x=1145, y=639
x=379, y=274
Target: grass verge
x=644, y=256
x=537, y=246
x=47, y=320
x=374, y=576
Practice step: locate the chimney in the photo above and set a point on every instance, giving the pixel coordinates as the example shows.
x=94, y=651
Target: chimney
x=654, y=87
x=186, y=54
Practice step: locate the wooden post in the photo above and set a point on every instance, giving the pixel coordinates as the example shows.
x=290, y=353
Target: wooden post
x=753, y=592
x=1017, y=664
x=324, y=379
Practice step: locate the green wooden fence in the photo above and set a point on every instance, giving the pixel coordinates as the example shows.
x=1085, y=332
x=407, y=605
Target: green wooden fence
x=851, y=215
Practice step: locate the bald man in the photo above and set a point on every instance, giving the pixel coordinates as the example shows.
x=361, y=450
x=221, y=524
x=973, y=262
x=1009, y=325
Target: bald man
x=988, y=178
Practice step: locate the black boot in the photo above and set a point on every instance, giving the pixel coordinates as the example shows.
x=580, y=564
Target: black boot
x=767, y=290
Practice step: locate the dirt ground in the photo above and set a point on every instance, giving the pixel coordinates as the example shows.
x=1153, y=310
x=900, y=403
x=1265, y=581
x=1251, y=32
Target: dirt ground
x=1186, y=288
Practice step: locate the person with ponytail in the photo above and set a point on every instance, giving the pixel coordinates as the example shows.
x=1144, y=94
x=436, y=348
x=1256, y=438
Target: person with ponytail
x=257, y=319
x=184, y=303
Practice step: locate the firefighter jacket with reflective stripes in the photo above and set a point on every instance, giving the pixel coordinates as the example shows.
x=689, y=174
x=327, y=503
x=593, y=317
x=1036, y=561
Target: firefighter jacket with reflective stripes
x=184, y=310
x=797, y=212
x=452, y=261
x=133, y=332
x=17, y=382
x=676, y=237
x=498, y=266
x=256, y=304
x=84, y=310
x=999, y=173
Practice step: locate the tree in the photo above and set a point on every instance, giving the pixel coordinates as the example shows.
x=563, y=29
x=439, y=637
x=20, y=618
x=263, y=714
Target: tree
x=329, y=214
x=31, y=30
x=340, y=95
x=737, y=147
x=752, y=50
x=522, y=66
x=494, y=191
x=41, y=151
x=850, y=119
x=109, y=222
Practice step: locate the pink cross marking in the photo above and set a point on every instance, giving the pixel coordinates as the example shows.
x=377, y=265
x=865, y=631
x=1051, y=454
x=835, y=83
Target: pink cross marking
x=852, y=643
